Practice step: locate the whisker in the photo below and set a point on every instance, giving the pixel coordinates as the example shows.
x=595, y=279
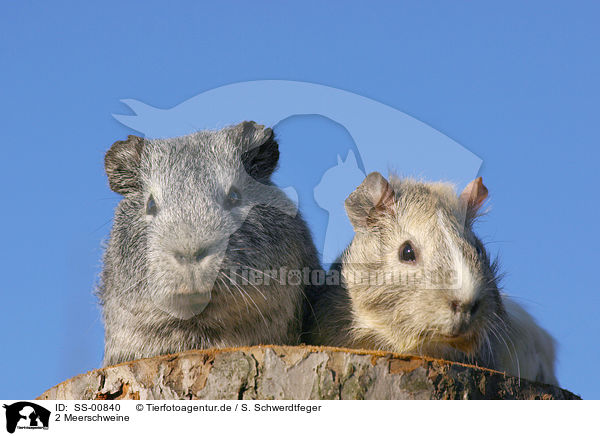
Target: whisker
x=242, y=291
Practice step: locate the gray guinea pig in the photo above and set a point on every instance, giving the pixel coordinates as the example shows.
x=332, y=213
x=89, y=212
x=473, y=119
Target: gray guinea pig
x=417, y=280
x=197, y=243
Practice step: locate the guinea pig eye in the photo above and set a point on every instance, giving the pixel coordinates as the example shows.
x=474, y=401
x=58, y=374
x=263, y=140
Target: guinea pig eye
x=407, y=253
x=233, y=198
x=151, y=207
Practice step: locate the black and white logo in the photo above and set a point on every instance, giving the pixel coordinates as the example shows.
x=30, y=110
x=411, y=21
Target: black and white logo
x=26, y=415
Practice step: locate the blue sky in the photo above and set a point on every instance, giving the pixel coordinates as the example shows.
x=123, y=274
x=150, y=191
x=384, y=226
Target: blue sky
x=516, y=84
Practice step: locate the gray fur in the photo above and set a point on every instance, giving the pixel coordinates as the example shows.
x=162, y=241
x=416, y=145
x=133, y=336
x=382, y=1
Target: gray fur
x=157, y=267
x=458, y=314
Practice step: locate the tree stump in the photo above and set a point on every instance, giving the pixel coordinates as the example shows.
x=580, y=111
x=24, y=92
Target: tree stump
x=298, y=373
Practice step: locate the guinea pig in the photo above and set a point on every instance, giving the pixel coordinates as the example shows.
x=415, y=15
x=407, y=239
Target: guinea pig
x=197, y=244
x=417, y=280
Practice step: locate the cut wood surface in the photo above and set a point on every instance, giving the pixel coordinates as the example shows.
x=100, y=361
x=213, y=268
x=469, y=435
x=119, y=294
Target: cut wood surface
x=298, y=373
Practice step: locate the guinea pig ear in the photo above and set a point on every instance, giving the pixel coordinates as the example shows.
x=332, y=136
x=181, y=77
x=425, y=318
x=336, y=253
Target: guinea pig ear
x=261, y=150
x=372, y=197
x=473, y=196
x=122, y=165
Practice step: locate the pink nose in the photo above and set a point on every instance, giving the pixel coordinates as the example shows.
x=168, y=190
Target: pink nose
x=458, y=307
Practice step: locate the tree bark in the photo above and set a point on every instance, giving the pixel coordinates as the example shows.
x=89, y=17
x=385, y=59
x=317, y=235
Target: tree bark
x=299, y=373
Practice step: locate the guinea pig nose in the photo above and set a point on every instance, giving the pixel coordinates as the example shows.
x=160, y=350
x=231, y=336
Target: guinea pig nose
x=180, y=257
x=455, y=305
x=200, y=254
x=183, y=257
